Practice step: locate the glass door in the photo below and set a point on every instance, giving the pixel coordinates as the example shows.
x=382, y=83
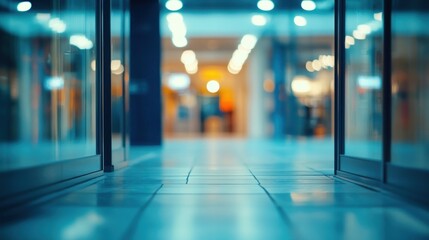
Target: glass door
x=362, y=152
x=118, y=76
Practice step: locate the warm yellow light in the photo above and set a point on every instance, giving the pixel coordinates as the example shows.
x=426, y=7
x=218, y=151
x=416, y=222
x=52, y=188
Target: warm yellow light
x=317, y=65
x=269, y=85
x=309, y=66
x=300, y=85
x=359, y=35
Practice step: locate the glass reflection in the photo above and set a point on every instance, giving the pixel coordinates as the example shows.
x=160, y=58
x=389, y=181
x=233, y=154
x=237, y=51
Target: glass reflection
x=363, y=83
x=118, y=73
x=410, y=84
x=47, y=87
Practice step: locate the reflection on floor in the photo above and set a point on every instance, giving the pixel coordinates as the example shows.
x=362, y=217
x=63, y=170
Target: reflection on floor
x=229, y=189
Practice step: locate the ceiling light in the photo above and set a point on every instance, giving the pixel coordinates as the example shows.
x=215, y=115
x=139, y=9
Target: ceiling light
x=265, y=5
x=300, y=21
x=259, y=20
x=213, y=86
x=249, y=41
x=308, y=5
x=179, y=41
x=23, y=6
x=174, y=5
x=188, y=57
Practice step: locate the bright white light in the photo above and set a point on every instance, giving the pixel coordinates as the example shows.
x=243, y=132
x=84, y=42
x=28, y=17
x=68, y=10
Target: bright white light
x=192, y=68
x=364, y=28
x=265, y=5
x=178, y=81
x=54, y=83
x=248, y=41
x=308, y=5
x=23, y=6
x=174, y=17
x=300, y=21
x=115, y=65
x=119, y=70
x=93, y=65
x=179, y=41
x=239, y=57
x=309, y=66
x=378, y=16
x=188, y=57
x=81, y=42
x=359, y=35
x=317, y=65
x=57, y=25
x=213, y=86
x=259, y=20
x=174, y=5
x=43, y=16
x=369, y=82
x=300, y=85
x=177, y=28
x=350, y=40
x=233, y=70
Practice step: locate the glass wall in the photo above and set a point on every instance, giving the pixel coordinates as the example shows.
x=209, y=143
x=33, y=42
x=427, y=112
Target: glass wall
x=410, y=84
x=47, y=87
x=118, y=67
x=363, y=79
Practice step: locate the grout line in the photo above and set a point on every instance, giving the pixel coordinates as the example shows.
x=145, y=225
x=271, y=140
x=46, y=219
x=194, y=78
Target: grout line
x=279, y=209
x=324, y=174
x=189, y=173
x=133, y=225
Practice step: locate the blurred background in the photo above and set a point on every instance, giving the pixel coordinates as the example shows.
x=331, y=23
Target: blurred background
x=247, y=68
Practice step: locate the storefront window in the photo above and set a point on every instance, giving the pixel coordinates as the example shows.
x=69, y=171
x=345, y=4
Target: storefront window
x=363, y=82
x=410, y=84
x=47, y=82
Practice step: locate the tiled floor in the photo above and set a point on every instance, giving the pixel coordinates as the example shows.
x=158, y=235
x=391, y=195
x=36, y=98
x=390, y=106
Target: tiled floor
x=224, y=189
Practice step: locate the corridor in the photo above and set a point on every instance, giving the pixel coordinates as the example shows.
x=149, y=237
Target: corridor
x=223, y=189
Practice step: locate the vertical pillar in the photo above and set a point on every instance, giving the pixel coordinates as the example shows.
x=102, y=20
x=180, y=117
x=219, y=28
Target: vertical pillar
x=279, y=65
x=258, y=64
x=145, y=73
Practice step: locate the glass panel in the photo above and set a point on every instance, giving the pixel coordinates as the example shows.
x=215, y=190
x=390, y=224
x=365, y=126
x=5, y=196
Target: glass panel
x=410, y=84
x=363, y=86
x=117, y=31
x=47, y=87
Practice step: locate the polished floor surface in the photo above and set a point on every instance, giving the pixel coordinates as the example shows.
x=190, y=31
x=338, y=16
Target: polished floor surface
x=223, y=189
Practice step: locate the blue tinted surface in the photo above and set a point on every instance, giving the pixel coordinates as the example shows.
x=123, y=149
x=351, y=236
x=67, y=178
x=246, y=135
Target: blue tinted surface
x=224, y=189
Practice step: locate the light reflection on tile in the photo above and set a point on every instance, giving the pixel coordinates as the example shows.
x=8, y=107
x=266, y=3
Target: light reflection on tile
x=206, y=189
